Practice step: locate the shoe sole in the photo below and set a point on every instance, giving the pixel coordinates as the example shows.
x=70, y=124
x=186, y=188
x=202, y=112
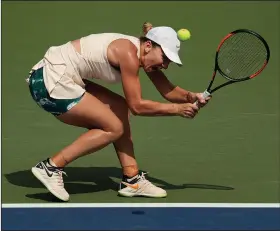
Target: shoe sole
x=127, y=194
x=42, y=180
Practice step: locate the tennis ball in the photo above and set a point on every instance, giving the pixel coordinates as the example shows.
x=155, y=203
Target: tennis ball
x=183, y=34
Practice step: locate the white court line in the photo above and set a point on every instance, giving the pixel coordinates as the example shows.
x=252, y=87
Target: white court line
x=143, y=205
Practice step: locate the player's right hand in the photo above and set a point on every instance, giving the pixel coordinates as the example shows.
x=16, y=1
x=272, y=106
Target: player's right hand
x=187, y=110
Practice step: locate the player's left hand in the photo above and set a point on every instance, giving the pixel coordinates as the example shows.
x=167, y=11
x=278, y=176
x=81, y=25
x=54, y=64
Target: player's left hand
x=193, y=97
x=201, y=101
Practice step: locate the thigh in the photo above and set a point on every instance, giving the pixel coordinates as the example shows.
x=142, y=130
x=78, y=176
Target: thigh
x=116, y=102
x=90, y=113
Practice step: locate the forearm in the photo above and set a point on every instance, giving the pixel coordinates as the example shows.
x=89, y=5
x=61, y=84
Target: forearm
x=178, y=95
x=152, y=108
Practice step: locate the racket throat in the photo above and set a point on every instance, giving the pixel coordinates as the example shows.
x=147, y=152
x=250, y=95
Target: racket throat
x=209, y=86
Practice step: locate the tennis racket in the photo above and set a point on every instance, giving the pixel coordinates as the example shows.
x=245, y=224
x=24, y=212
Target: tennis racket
x=241, y=55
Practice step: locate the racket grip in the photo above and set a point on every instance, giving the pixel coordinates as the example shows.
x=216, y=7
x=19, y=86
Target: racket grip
x=204, y=95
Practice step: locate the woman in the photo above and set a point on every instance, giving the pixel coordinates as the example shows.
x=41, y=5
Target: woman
x=58, y=83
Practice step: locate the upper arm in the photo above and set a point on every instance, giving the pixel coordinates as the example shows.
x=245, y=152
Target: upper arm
x=129, y=66
x=163, y=85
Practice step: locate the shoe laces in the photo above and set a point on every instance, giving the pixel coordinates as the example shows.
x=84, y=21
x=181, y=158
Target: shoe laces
x=58, y=176
x=141, y=178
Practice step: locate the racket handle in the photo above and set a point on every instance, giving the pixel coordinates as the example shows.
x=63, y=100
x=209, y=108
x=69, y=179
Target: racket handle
x=204, y=95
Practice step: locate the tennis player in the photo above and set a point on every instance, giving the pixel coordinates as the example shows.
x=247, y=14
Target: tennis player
x=61, y=83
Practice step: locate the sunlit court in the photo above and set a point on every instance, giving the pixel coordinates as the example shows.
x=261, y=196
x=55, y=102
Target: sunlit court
x=220, y=170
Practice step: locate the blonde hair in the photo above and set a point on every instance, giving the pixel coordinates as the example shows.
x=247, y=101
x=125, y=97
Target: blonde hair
x=146, y=27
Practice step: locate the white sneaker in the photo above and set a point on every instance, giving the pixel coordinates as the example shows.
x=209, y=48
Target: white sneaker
x=51, y=177
x=140, y=186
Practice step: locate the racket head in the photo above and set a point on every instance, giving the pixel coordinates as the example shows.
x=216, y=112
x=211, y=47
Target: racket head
x=241, y=55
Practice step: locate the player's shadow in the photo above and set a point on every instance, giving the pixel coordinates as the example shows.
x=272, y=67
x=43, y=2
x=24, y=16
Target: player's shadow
x=92, y=179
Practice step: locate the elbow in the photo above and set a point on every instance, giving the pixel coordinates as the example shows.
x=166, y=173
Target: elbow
x=166, y=97
x=136, y=109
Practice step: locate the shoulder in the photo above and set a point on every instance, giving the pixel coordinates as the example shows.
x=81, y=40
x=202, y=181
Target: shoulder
x=125, y=50
x=126, y=45
x=127, y=56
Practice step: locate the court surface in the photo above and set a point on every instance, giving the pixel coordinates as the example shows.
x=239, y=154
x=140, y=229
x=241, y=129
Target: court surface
x=228, y=154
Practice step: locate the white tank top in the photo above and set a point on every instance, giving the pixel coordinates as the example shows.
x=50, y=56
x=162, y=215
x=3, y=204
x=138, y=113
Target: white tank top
x=64, y=67
x=94, y=51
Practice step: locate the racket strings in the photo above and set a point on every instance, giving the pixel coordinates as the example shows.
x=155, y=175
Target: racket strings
x=243, y=58
x=241, y=55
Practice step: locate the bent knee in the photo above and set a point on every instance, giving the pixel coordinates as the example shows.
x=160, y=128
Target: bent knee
x=116, y=131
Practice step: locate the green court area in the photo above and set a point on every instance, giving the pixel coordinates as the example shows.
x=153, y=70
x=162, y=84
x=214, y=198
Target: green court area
x=228, y=153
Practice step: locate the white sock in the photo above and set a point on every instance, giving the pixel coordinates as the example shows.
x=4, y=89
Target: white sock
x=52, y=163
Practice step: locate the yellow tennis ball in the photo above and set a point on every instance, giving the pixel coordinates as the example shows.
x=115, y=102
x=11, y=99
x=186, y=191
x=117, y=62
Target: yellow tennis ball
x=183, y=34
